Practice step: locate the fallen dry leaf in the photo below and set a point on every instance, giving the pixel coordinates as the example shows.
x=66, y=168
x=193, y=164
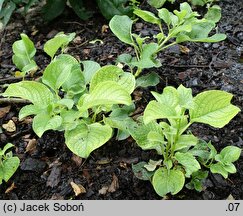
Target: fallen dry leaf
x=114, y=184
x=184, y=49
x=31, y=146
x=77, y=160
x=9, y=189
x=78, y=188
x=4, y=111
x=10, y=126
x=103, y=190
x=77, y=40
x=112, y=188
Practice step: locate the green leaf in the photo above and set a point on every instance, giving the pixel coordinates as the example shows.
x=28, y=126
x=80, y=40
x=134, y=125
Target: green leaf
x=185, y=97
x=168, y=181
x=89, y=69
x=5, y=148
x=213, y=14
x=58, y=72
x=155, y=110
x=53, y=8
x=220, y=169
x=230, y=154
x=6, y=12
x=66, y=102
x=154, y=136
x=169, y=97
x=140, y=134
x=43, y=122
x=125, y=58
x=109, y=8
x=199, y=2
x=121, y=26
x=33, y=91
x=80, y=10
x=200, y=32
x=147, y=16
x=75, y=83
x=185, y=141
x=8, y=168
x=105, y=93
x=140, y=172
x=156, y=3
x=86, y=138
x=197, y=180
x=116, y=74
x=214, y=108
x=24, y=52
x=151, y=79
x=61, y=40
x=165, y=15
x=30, y=110
x=188, y=161
x=69, y=119
x=32, y=66
x=152, y=165
x=147, y=58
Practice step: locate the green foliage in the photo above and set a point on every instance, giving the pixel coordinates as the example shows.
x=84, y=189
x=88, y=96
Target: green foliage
x=89, y=94
x=7, y=7
x=182, y=26
x=183, y=154
x=109, y=8
x=59, y=41
x=54, y=8
x=24, y=52
x=225, y=160
x=159, y=3
x=8, y=163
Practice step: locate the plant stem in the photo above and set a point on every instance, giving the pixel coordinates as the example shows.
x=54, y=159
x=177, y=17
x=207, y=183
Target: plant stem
x=14, y=100
x=138, y=71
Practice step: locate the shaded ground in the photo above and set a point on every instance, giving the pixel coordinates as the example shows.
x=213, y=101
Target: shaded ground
x=47, y=170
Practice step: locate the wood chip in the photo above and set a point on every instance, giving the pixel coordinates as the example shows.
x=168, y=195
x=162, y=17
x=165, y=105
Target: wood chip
x=55, y=177
x=4, y=111
x=31, y=146
x=78, y=188
x=10, y=126
x=103, y=190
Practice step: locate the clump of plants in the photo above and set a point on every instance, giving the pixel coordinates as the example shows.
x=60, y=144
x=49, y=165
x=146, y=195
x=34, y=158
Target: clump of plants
x=164, y=128
x=91, y=104
x=181, y=26
x=87, y=95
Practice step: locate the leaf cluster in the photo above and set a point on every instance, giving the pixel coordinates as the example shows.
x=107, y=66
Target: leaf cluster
x=182, y=25
x=8, y=163
x=88, y=93
x=164, y=128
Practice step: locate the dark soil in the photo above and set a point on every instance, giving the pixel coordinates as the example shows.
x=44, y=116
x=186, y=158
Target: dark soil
x=47, y=170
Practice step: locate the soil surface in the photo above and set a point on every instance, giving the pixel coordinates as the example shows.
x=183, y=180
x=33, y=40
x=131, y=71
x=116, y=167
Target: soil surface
x=47, y=165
